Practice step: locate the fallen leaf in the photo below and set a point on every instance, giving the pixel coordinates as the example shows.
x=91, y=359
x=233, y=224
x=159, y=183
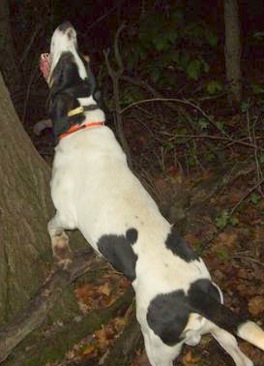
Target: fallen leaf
x=256, y=305
x=105, y=289
x=189, y=359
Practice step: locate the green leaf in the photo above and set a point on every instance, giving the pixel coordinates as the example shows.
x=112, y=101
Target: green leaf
x=194, y=69
x=220, y=125
x=222, y=220
x=223, y=254
x=245, y=106
x=233, y=221
x=261, y=158
x=211, y=38
x=255, y=198
x=257, y=89
x=225, y=219
x=160, y=43
x=203, y=123
x=214, y=86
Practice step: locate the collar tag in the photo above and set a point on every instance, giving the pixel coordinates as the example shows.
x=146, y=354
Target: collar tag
x=81, y=109
x=75, y=111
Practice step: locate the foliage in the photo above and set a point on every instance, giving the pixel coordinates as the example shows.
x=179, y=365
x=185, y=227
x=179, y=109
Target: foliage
x=224, y=219
x=167, y=46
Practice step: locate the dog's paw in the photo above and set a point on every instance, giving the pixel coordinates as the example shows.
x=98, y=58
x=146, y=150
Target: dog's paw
x=64, y=264
x=61, y=251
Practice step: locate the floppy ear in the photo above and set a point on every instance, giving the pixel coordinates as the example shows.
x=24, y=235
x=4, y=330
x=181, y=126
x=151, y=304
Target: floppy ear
x=60, y=105
x=64, y=74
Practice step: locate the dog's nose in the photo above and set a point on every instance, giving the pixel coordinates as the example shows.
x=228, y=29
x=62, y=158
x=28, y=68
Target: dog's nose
x=65, y=26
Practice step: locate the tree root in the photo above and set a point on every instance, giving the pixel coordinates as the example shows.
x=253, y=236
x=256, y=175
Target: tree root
x=40, y=305
x=125, y=346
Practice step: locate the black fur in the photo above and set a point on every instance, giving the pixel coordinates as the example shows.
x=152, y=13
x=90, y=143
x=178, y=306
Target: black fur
x=204, y=298
x=118, y=251
x=168, y=315
x=67, y=86
x=180, y=247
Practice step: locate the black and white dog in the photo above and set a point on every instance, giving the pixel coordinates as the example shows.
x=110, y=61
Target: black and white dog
x=94, y=191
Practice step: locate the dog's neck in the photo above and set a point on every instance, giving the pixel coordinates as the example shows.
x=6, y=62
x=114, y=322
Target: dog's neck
x=87, y=115
x=92, y=111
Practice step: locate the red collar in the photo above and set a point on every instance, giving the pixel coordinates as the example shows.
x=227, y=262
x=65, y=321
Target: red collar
x=76, y=128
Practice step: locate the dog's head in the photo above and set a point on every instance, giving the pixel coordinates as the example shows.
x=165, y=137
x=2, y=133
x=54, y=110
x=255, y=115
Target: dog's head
x=70, y=79
x=68, y=68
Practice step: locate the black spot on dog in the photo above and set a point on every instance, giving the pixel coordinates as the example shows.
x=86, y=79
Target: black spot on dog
x=132, y=235
x=168, y=315
x=204, y=297
x=118, y=251
x=64, y=26
x=180, y=247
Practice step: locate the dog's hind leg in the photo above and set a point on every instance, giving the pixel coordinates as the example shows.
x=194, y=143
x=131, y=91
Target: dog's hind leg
x=159, y=354
x=60, y=241
x=229, y=343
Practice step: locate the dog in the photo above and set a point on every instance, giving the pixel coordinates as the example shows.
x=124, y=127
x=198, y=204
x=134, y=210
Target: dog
x=94, y=190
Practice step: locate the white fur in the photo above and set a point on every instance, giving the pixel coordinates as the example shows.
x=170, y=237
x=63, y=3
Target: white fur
x=60, y=42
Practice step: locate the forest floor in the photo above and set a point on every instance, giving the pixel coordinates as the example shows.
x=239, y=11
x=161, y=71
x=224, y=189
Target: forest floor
x=206, y=173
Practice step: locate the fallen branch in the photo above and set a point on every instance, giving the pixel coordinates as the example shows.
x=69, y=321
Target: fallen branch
x=40, y=305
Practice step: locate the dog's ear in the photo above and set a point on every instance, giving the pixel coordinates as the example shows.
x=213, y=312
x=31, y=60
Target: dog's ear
x=60, y=105
x=64, y=75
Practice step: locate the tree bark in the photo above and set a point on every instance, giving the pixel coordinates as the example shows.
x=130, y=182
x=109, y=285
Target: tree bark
x=232, y=51
x=8, y=63
x=25, y=207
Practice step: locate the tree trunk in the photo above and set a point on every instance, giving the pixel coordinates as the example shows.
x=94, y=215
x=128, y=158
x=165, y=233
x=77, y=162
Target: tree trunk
x=232, y=51
x=25, y=207
x=8, y=63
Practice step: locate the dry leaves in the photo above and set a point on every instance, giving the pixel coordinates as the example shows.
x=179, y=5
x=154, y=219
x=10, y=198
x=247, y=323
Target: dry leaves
x=256, y=305
x=102, y=292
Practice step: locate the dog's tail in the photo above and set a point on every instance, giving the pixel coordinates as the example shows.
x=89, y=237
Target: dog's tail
x=205, y=302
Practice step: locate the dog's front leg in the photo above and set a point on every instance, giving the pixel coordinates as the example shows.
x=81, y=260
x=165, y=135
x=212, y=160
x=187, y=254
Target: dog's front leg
x=60, y=242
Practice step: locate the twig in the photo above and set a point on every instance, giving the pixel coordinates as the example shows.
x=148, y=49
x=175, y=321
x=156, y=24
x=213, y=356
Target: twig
x=34, y=35
x=246, y=195
x=176, y=100
x=115, y=76
x=230, y=139
x=240, y=256
x=98, y=20
x=172, y=106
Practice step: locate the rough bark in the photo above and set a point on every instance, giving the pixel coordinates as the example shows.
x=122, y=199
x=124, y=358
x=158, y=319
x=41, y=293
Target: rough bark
x=232, y=50
x=8, y=63
x=39, y=306
x=25, y=207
